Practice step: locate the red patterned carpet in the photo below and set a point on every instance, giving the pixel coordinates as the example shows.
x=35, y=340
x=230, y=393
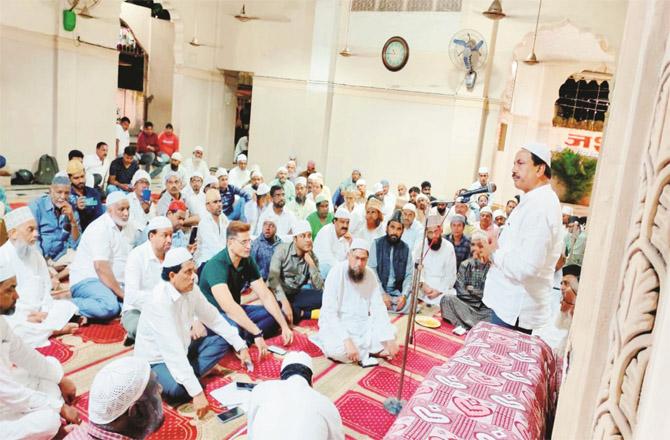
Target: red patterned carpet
x=358, y=392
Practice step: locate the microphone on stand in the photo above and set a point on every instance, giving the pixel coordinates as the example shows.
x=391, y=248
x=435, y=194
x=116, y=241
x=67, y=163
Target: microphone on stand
x=490, y=188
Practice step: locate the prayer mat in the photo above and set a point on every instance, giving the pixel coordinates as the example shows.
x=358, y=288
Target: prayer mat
x=385, y=382
x=175, y=426
x=268, y=368
x=107, y=333
x=58, y=350
x=312, y=324
x=364, y=414
x=417, y=361
x=436, y=343
x=300, y=343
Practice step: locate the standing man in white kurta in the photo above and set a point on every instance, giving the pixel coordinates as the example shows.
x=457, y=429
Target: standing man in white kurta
x=518, y=285
x=354, y=323
x=34, y=393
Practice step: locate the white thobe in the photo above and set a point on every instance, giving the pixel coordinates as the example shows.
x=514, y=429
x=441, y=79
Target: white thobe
x=301, y=211
x=439, y=268
x=389, y=205
x=33, y=284
x=195, y=203
x=284, y=222
x=143, y=273
x=93, y=165
x=30, y=403
x=310, y=415
x=238, y=177
x=191, y=165
x=211, y=237
x=101, y=241
x=252, y=213
x=164, y=331
x=522, y=270
x=352, y=310
x=329, y=249
x=137, y=216
x=412, y=234
x=362, y=231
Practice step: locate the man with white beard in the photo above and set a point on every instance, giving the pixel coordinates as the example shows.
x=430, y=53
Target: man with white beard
x=555, y=334
x=97, y=272
x=354, y=325
x=38, y=315
x=196, y=163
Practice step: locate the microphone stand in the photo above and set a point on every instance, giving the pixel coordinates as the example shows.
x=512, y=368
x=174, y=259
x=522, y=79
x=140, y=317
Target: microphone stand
x=394, y=404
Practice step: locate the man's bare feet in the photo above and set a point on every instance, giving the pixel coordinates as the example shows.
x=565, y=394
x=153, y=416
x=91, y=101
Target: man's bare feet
x=83, y=321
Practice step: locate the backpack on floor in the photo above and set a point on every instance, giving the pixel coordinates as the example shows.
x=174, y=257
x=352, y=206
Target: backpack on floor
x=46, y=169
x=22, y=177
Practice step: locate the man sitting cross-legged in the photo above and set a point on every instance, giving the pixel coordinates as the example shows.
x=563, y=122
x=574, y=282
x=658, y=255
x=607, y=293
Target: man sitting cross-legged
x=294, y=275
x=38, y=315
x=164, y=333
x=143, y=273
x=391, y=259
x=124, y=403
x=354, y=323
x=96, y=274
x=466, y=308
x=222, y=280
x=34, y=393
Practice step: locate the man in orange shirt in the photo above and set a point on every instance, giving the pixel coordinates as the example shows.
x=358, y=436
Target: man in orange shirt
x=168, y=143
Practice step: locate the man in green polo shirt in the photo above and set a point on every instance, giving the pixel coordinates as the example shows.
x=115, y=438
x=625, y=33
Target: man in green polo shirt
x=221, y=282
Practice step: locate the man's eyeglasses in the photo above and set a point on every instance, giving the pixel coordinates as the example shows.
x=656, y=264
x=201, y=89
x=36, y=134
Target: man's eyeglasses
x=243, y=242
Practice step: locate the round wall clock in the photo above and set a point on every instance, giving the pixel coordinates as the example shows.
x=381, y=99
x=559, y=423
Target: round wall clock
x=395, y=53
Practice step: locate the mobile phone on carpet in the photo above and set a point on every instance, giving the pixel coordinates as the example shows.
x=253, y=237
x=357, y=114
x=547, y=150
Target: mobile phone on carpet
x=277, y=350
x=230, y=414
x=194, y=235
x=245, y=386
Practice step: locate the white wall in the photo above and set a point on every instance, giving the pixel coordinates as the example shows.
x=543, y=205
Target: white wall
x=55, y=94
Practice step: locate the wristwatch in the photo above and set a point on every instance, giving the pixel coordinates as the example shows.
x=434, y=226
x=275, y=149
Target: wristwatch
x=258, y=335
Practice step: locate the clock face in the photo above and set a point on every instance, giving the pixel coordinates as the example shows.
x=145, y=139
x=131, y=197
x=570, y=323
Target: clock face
x=395, y=54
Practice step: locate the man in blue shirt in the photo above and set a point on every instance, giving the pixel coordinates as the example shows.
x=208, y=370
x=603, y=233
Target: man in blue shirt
x=86, y=200
x=57, y=223
x=232, y=209
x=263, y=247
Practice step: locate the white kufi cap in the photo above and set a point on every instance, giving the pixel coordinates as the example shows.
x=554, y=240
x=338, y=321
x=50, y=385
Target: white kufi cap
x=198, y=148
x=209, y=179
x=566, y=210
x=540, y=150
x=176, y=256
x=342, y=213
x=262, y=189
x=6, y=270
x=159, y=222
x=220, y=172
x=140, y=175
x=296, y=357
x=409, y=207
x=116, y=387
x=170, y=174
x=377, y=188
x=301, y=181
x=242, y=158
x=197, y=174
x=115, y=197
x=359, y=243
x=499, y=213
x=17, y=217
x=301, y=227
x=483, y=170
x=486, y=209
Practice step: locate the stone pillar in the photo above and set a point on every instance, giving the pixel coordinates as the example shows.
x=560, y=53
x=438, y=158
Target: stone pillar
x=616, y=383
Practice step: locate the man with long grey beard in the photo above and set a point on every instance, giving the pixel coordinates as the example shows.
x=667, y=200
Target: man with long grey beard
x=354, y=325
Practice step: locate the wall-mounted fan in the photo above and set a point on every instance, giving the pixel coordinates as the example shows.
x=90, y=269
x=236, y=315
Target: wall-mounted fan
x=468, y=51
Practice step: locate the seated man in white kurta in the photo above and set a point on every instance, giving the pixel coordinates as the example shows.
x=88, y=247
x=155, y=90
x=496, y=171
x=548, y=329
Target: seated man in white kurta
x=143, y=273
x=439, y=265
x=332, y=243
x=34, y=394
x=354, y=323
x=38, y=315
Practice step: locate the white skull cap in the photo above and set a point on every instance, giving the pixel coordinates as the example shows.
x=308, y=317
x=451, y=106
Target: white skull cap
x=359, y=243
x=18, y=217
x=342, y=213
x=140, y=175
x=296, y=357
x=115, y=197
x=409, y=207
x=176, y=256
x=160, y=222
x=540, y=150
x=6, y=270
x=301, y=227
x=116, y=387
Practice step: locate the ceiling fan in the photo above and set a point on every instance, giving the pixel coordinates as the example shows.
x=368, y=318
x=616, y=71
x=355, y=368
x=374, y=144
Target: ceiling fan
x=243, y=17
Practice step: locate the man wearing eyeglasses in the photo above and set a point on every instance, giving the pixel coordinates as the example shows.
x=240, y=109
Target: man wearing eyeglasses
x=222, y=280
